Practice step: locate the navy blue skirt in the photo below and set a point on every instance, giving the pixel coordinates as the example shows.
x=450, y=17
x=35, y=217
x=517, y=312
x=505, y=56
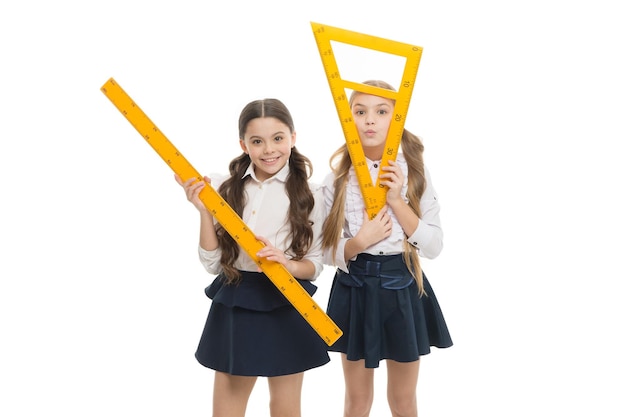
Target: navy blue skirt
x=253, y=330
x=382, y=316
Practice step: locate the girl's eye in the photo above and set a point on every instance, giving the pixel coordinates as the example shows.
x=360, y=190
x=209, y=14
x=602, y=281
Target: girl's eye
x=278, y=138
x=256, y=141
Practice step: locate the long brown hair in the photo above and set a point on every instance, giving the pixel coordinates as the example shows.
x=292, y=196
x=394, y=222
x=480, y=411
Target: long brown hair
x=340, y=163
x=297, y=187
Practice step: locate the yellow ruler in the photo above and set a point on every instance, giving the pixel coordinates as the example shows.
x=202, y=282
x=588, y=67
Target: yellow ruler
x=225, y=215
x=374, y=195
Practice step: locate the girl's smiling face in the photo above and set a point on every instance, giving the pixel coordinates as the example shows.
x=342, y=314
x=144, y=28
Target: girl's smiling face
x=372, y=115
x=268, y=142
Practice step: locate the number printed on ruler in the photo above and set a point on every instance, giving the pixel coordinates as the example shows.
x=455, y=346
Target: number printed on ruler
x=374, y=195
x=225, y=215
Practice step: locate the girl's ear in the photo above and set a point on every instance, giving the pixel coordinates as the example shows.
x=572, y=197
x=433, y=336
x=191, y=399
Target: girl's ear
x=243, y=146
x=293, y=139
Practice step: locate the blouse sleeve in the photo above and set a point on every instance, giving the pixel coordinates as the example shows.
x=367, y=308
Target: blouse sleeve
x=315, y=254
x=428, y=237
x=210, y=260
x=331, y=258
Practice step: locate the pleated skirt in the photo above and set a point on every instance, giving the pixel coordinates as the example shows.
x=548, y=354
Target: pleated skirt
x=381, y=313
x=253, y=330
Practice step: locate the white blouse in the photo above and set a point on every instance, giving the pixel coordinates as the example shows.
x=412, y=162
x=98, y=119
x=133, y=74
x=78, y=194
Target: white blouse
x=266, y=214
x=427, y=238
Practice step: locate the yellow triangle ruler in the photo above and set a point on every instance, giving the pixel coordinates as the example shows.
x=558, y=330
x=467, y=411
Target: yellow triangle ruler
x=374, y=195
x=225, y=215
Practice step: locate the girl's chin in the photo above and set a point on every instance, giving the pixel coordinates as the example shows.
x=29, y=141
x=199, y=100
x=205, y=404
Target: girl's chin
x=267, y=170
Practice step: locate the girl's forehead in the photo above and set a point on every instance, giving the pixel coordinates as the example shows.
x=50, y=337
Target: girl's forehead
x=369, y=99
x=266, y=125
x=265, y=121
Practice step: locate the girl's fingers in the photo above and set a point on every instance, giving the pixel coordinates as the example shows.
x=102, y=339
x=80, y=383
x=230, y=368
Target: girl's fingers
x=270, y=252
x=192, y=190
x=267, y=250
x=191, y=181
x=392, y=168
x=264, y=240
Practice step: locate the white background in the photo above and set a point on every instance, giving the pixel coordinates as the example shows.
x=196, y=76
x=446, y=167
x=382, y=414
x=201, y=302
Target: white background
x=521, y=108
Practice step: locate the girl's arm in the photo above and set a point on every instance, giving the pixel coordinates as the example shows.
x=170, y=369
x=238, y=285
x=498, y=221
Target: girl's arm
x=303, y=269
x=393, y=178
x=315, y=254
x=208, y=237
x=425, y=233
x=371, y=232
x=428, y=236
